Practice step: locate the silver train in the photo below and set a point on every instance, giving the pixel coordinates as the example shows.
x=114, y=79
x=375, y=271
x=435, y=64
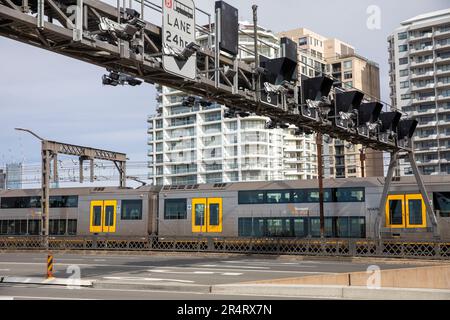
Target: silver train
x=258, y=209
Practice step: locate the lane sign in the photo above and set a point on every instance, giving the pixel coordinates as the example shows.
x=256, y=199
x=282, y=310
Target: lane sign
x=179, y=34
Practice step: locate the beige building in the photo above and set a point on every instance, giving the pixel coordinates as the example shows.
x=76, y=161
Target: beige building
x=318, y=55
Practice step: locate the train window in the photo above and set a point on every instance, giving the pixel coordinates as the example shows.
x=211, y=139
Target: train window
x=314, y=227
x=300, y=228
x=343, y=227
x=350, y=195
x=312, y=196
x=278, y=196
x=396, y=212
x=175, y=209
x=245, y=227
x=214, y=214
x=357, y=227
x=415, y=212
x=109, y=216
x=441, y=201
x=97, y=216
x=131, y=210
x=200, y=214
x=251, y=197
x=72, y=227
x=34, y=227
x=35, y=202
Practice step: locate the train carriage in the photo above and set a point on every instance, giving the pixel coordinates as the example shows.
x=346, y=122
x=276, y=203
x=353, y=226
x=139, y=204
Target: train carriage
x=287, y=209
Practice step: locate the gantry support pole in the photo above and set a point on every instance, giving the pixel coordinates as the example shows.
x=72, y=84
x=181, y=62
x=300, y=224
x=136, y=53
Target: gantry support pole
x=423, y=191
x=319, y=143
x=45, y=197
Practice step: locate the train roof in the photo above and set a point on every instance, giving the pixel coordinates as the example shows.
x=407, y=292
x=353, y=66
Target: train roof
x=266, y=185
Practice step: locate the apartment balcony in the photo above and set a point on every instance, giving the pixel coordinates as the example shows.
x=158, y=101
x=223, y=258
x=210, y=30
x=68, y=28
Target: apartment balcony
x=413, y=38
x=422, y=87
x=425, y=112
x=442, y=85
x=442, y=46
x=424, y=100
x=442, y=32
x=443, y=109
x=444, y=122
x=442, y=59
x=421, y=50
x=422, y=63
x=254, y=167
x=443, y=98
x=425, y=138
x=424, y=75
x=443, y=72
x=427, y=124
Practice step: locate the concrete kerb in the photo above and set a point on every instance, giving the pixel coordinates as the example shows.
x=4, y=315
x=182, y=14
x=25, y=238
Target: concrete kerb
x=50, y=282
x=337, y=292
x=187, y=288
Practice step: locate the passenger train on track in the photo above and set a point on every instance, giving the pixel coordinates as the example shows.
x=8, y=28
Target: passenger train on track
x=287, y=209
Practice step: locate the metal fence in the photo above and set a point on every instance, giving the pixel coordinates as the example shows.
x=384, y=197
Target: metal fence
x=275, y=246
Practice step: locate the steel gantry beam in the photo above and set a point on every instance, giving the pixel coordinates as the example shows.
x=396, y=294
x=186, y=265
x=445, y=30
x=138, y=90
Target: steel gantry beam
x=71, y=28
x=123, y=42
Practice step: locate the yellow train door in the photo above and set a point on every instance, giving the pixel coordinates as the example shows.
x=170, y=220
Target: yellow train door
x=415, y=211
x=96, y=217
x=395, y=212
x=214, y=215
x=103, y=216
x=109, y=222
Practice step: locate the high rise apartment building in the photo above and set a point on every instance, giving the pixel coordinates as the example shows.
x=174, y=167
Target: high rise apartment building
x=419, y=58
x=190, y=145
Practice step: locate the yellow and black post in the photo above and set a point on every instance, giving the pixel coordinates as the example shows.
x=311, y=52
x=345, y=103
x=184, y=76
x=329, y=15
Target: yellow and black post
x=50, y=266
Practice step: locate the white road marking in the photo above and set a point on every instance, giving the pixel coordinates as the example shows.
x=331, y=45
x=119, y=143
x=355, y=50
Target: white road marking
x=6, y=298
x=5, y=269
x=300, y=264
x=237, y=267
x=196, y=272
x=99, y=260
x=147, y=279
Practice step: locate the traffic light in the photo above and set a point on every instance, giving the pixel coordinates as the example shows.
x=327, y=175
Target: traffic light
x=389, y=125
x=347, y=104
x=314, y=98
x=406, y=128
x=368, y=118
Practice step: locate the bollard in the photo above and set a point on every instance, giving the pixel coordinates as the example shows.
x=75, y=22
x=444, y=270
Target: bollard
x=50, y=266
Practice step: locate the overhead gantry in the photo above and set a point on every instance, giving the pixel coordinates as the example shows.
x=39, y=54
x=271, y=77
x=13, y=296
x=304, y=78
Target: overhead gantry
x=121, y=40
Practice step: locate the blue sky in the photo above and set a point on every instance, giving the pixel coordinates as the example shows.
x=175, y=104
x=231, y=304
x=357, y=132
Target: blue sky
x=63, y=99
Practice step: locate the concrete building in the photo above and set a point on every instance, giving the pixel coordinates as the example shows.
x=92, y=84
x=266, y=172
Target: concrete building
x=14, y=175
x=318, y=55
x=2, y=180
x=419, y=58
x=190, y=145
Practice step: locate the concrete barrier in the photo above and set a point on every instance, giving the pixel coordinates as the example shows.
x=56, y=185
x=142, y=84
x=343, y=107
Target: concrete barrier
x=331, y=292
x=433, y=277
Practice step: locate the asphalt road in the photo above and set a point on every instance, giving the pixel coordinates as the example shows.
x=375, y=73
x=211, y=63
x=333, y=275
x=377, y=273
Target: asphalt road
x=160, y=269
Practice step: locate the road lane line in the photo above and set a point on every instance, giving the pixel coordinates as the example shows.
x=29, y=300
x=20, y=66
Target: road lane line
x=147, y=279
